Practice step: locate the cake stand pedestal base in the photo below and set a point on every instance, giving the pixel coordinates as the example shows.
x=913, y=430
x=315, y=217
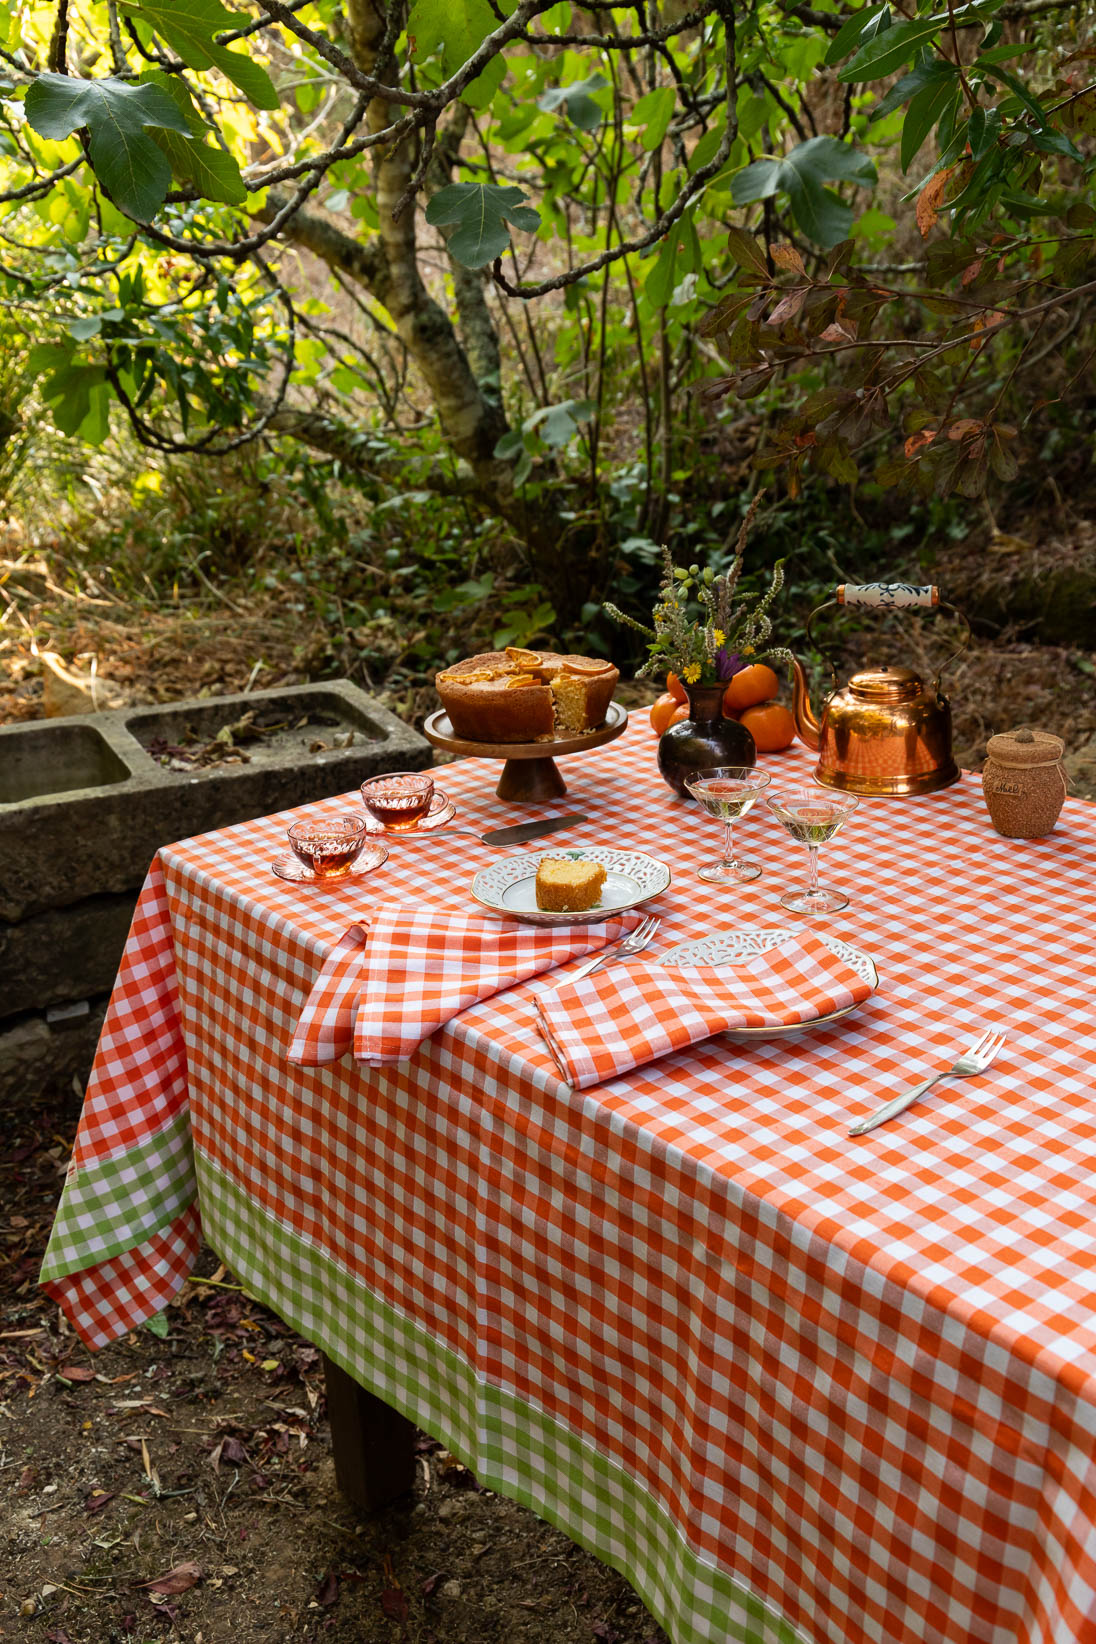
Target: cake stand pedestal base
x=530, y=782
x=530, y=775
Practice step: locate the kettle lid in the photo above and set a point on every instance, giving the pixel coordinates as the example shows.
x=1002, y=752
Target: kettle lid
x=886, y=684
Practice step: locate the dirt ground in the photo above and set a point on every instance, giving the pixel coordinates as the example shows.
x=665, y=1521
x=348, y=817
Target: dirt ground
x=180, y=1487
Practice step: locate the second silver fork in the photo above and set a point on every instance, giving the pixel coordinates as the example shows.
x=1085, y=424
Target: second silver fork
x=975, y=1059
x=641, y=937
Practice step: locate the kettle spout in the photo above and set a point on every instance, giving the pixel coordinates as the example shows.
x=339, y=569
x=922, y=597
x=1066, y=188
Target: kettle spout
x=806, y=724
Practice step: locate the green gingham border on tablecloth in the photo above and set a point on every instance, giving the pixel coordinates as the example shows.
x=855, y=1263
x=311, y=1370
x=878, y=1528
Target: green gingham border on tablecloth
x=510, y=1445
x=113, y=1204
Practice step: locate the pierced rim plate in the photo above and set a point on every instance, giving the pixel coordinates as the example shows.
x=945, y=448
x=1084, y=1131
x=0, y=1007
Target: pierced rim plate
x=373, y=853
x=509, y=887
x=736, y=947
x=442, y=810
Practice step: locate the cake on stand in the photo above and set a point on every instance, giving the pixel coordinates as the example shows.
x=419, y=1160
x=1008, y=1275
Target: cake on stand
x=529, y=774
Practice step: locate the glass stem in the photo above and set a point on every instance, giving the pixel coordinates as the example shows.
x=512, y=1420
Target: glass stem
x=812, y=879
x=728, y=845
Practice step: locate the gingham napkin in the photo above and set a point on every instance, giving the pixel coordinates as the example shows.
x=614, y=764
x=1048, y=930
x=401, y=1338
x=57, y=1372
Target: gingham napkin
x=634, y=1011
x=385, y=989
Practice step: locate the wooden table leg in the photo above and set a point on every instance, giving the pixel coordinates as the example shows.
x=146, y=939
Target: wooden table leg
x=373, y=1445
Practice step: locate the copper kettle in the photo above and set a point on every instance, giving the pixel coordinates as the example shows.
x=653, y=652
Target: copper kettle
x=886, y=731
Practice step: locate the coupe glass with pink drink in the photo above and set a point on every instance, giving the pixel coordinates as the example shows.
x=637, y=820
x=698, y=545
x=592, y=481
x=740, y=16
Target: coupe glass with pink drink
x=728, y=792
x=812, y=815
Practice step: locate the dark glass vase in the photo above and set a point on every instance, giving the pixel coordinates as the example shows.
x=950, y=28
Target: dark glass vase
x=704, y=740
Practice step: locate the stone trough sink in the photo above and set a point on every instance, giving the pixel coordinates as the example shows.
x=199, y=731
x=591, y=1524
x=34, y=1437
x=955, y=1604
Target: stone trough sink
x=86, y=802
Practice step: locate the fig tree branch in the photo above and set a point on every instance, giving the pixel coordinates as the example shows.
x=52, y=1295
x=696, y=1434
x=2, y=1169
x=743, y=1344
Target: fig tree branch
x=668, y=218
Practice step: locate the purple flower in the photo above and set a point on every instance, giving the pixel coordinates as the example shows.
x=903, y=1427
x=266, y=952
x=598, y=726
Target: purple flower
x=727, y=664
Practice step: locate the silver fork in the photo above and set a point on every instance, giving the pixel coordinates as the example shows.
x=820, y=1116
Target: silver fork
x=641, y=937
x=974, y=1060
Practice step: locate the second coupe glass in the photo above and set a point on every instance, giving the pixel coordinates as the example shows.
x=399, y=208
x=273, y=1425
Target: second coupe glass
x=812, y=815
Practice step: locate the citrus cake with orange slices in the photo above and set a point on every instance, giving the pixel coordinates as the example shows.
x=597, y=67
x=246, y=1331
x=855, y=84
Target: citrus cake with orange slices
x=519, y=695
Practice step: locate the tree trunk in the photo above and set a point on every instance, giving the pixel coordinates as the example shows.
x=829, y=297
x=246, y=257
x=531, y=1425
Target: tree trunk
x=462, y=372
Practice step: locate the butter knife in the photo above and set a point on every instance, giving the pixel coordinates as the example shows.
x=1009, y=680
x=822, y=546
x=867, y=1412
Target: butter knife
x=530, y=830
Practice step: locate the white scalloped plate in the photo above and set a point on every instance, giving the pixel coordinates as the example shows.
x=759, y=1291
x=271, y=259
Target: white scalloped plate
x=509, y=886
x=737, y=946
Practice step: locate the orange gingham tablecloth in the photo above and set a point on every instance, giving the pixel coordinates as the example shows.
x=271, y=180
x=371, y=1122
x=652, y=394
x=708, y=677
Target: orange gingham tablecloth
x=794, y=1385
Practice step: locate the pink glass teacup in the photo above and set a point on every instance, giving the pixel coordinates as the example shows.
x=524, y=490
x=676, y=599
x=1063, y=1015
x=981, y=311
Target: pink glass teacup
x=399, y=800
x=330, y=845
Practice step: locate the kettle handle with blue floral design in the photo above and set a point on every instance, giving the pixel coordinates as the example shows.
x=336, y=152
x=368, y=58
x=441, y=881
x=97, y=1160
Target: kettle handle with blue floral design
x=891, y=596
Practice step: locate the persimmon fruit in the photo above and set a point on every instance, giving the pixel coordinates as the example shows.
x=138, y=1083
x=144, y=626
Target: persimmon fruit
x=666, y=711
x=750, y=687
x=676, y=689
x=771, y=726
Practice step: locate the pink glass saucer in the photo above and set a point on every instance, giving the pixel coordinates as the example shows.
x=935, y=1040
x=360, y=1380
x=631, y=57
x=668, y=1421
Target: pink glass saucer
x=442, y=810
x=373, y=853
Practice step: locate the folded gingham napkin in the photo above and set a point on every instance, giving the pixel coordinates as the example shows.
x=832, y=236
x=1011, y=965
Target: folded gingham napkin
x=632, y=1011
x=385, y=989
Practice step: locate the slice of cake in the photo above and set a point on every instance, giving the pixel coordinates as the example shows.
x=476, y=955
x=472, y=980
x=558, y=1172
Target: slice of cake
x=581, y=693
x=567, y=885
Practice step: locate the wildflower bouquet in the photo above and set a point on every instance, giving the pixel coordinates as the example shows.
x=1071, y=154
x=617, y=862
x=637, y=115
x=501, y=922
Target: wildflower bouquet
x=706, y=640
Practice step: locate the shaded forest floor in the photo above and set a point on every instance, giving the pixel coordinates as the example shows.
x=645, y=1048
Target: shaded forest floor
x=180, y=1487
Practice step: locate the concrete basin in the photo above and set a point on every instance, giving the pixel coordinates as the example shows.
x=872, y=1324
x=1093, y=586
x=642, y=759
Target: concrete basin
x=86, y=819
x=61, y=756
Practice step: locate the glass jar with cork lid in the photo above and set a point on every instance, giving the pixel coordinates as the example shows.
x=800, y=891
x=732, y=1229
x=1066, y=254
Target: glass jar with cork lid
x=1023, y=782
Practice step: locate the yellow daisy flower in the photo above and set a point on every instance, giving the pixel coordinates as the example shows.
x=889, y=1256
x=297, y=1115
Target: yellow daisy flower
x=691, y=674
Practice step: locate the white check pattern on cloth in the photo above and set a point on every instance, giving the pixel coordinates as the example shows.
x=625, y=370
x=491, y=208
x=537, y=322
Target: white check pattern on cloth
x=795, y=1385
x=628, y=1014
x=386, y=989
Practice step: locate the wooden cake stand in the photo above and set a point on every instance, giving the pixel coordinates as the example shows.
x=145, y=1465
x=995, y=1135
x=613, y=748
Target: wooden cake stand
x=529, y=775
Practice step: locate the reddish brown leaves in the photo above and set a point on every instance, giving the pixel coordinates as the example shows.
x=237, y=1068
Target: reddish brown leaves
x=328, y=1591
x=985, y=322
x=229, y=1450
x=394, y=1604
x=393, y=1599
x=177, y=1580
x=747, y=253
x=931, y=199
x=786, y=256
x=788, y=306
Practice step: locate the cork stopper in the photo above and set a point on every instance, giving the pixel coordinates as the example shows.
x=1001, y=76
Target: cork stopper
x=1024, y=747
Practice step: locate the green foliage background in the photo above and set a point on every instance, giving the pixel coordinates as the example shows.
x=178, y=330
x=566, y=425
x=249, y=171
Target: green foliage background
x=846, y=248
